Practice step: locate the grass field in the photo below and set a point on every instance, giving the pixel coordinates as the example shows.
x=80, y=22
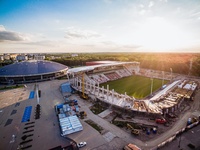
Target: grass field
x=136, y=86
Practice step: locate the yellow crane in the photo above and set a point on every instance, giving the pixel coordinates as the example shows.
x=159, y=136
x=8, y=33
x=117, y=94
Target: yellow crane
x=83, y=95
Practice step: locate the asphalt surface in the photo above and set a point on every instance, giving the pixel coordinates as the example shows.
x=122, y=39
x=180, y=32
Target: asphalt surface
x=182, y=141
x=46, y=132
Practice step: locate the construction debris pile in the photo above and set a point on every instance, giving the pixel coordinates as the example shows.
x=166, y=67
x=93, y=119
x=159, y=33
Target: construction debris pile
x=168, y=99
x=185, y=89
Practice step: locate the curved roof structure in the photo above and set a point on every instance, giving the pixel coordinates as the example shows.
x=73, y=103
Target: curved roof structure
x=33, y=67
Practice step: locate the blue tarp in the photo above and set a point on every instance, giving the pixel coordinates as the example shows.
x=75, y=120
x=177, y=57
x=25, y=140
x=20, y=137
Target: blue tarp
x=31, y=96
x=27, y=114
x=65, y=87
x=59, y=106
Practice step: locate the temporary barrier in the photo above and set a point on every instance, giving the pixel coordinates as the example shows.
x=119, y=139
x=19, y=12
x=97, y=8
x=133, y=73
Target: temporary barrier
x=27, y=114
x=31, y=96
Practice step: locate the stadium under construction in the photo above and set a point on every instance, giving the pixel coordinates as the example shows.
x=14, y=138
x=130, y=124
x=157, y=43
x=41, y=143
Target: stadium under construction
x=167, y=100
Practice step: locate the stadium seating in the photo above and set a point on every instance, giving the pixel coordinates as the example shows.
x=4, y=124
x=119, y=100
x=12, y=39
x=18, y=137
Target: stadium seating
x=109, y=76
x=112, y=76
x=123, y=73
x=106, y=74
x=99, y=78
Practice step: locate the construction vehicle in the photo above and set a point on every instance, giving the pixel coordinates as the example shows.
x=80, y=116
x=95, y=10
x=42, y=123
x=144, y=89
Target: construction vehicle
x=83, y=114
x=161, y=121
x=133, y=131
x=131, y=147
x=192, y=122
x=127, y=148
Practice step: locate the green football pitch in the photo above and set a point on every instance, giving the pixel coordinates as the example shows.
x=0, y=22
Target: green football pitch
x=136, y=86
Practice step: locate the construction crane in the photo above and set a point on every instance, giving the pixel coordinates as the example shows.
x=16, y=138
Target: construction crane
x=83, y=95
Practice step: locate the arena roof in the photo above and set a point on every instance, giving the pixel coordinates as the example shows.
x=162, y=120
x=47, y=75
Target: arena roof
x=88, y=68
x=33, y=67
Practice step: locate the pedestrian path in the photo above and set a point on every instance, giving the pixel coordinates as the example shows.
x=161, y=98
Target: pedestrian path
x=105, y=113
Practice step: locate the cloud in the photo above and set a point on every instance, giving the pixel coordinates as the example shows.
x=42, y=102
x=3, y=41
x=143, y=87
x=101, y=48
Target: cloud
x=132, y=46
x=2, y=28
x=142, y=12
x=196, y=14
x=11, y=35
x=107, y=1
x=44, y=43
x=141, y=6
x=73, y=33
x=108, y=42
x=164, y=1
x=151, y=4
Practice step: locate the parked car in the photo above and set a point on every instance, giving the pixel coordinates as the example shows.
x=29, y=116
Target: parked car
x=81, y=144
x=161, y=121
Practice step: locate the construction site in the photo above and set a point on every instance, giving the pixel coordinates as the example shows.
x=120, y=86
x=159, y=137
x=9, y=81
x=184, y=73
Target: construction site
x=79, y=109
x=146, y=118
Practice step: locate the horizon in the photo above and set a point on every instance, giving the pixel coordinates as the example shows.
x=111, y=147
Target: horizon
x=192, y=53
x=103, y=26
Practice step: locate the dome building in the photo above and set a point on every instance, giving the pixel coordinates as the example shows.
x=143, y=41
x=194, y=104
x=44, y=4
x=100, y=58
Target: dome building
x=31, y=71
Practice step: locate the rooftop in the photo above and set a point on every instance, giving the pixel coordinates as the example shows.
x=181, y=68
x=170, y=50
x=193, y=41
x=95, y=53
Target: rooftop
x=33, y=67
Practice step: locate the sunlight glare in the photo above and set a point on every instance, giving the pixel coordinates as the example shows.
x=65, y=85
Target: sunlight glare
x=159, y=35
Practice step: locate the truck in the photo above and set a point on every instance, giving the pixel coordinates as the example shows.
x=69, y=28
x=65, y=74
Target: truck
x=83, y=114
x=131, y=147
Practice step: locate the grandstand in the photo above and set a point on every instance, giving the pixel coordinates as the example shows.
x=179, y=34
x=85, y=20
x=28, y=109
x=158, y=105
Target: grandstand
x=157, y=74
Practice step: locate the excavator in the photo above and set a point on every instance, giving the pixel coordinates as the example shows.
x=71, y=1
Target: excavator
x=133, y=131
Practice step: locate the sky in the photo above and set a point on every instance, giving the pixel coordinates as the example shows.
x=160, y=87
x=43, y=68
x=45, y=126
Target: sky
x=37, y=26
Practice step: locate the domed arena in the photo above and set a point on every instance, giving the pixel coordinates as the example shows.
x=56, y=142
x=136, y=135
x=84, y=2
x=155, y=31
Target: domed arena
x=31, y=71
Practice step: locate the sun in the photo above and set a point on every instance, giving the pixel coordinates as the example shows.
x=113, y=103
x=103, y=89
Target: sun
x=159, y=34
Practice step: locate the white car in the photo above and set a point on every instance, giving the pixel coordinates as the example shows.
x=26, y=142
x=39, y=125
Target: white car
x=81, y=144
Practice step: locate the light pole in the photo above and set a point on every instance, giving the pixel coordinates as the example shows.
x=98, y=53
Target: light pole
x=162, y=78
x=151, y=85
x=179, y=143
x=171, y=73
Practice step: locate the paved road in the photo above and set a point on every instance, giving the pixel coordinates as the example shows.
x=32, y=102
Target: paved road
x=189, y=137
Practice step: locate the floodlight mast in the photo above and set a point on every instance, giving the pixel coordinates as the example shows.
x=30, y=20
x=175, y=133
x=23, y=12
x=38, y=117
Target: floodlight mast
x=162, y=78
x=151, y=85
x=37, y=94
x=171, y=73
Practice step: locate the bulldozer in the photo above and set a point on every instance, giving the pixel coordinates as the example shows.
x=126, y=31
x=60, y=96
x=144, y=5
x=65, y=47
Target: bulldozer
x=133, y=131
